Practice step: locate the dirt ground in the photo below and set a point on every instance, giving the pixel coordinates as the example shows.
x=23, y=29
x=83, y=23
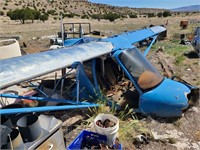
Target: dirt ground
x=169, y=134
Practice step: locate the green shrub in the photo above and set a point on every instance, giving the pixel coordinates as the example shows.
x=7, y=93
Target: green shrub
x=23, y=14
x=1, y=13
x=151, y=15
x=85, y=17
x=166, y=14
x=132, y=15
x=96, y=16
x=52, y=12
x=44, y=17
x=160, y=14
x=111, y=16
x=179, y=59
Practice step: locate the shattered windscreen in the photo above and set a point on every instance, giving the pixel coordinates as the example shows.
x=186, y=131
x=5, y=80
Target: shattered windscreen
x=141, y=70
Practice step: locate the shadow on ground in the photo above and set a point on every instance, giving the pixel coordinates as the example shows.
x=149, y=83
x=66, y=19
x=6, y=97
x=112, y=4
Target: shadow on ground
x=191, y=55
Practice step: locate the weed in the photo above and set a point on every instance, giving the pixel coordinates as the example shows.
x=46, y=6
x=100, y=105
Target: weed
x=179, y=60
x=177, y=123
x=129, y=130
x=172, y=48
x=130, y=126
x=171, y=140
x=126, y=113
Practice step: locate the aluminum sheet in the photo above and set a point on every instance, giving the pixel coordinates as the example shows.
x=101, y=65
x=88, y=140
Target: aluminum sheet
x=18, y=69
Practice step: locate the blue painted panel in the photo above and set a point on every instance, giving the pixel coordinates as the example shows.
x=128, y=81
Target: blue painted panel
x=166, y=100
x=70, y=42
x=126, y=39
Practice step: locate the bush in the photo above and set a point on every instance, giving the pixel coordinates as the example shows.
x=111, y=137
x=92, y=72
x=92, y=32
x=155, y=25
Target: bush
x=23, y=14
x=8, y=13
x=52, y=12
x=43, y=10
x=160, y=14
x=1, y=13
x=133, y=15
x=151, y=15
x=166, y=14
x=71, y=15
x=55, y=14
x=111, y=16
x=85, y=17
x=44, y=17
x=96, y=16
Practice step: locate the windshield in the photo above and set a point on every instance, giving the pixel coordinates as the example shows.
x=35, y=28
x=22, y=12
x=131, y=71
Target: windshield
x=145, y=75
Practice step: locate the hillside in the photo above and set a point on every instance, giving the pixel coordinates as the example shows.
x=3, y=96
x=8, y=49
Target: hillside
x=192, y=8
x=77, y=8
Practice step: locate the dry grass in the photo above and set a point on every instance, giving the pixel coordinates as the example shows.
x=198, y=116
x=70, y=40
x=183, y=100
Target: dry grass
x=38, y=29
x=51, y=26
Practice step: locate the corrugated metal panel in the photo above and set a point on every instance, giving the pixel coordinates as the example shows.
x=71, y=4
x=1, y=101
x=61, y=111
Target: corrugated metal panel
x=18, y=69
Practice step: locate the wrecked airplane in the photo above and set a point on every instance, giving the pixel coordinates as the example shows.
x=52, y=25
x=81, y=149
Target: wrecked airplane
x=99, y=64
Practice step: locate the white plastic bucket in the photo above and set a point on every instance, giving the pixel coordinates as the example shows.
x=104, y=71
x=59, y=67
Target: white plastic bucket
x=110, y=132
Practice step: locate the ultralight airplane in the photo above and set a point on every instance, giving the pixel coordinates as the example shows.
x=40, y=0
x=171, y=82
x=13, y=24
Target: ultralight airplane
x=158, y=95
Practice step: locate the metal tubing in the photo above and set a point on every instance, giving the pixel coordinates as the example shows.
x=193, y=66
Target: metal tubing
x=115, y=55
x=41, y=99
x=77, y=83
x=62, y=30
x=103, y=66
x=55, y=80
x=60, y=80
x=61, y=88
x=39, y=90
x=95, y=76
x=148, y=48
x=44, y=108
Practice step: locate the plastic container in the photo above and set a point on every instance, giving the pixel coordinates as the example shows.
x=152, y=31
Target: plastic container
x=87, y=139
x=110, y=132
